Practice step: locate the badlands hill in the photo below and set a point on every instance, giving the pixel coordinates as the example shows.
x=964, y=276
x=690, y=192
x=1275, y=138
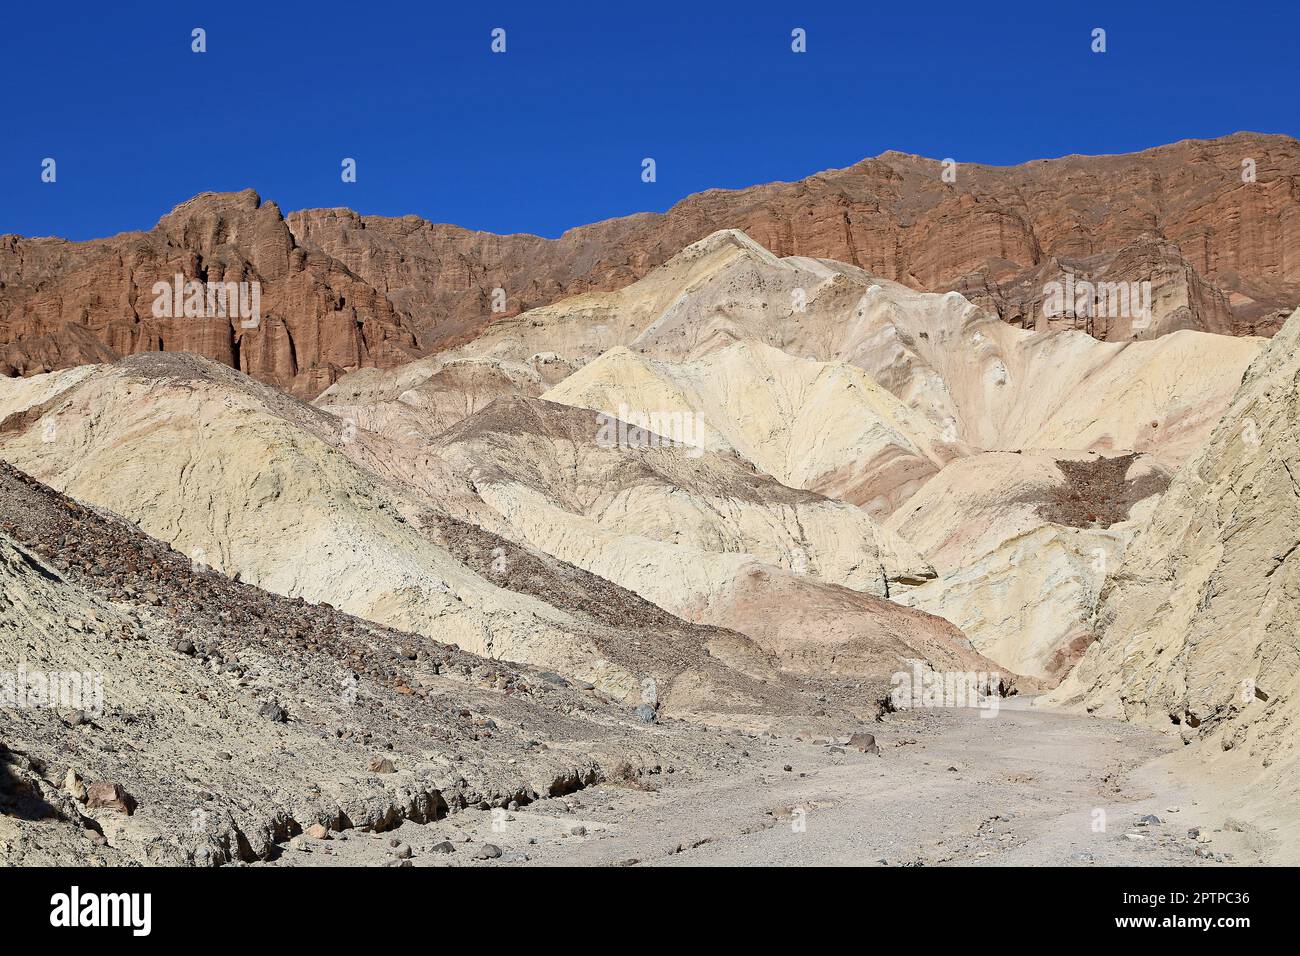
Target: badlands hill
x=974, y=441
x=342, y=291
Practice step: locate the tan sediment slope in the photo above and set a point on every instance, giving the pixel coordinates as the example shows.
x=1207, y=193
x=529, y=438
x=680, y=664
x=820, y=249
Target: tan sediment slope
x=262, y=487
x=702, y=533
x=831, y=380
x=976, y=379
x=418, y=401
x=1022, y=544
x=534, y=460
x=823, y=426
x=1198, y=625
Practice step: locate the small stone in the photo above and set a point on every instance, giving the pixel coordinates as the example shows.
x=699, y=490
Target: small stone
x=1149, y=820
x=489, y=851
x=578, y=830
x=382, y=765
x=444, y=847
x=646, y=712
x=864, y=743
x=74, y=786
x=109, y=796
x=787, y=768
x=403, y=851
x=273, y=712
x=318, y=831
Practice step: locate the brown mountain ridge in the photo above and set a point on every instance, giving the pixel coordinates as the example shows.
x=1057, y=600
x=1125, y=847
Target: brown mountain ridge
x=343, y=291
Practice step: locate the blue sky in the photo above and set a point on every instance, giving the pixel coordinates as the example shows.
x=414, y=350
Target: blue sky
x=551, y=134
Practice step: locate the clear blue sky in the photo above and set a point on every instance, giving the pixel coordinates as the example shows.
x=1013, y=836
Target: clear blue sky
x=551, y=134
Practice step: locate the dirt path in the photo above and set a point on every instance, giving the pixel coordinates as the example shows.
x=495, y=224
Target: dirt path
x=949, y=787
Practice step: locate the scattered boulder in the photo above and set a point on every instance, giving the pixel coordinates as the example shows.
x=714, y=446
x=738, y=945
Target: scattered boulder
x=489, y=851
x=104, y=794
x=864, y=743
x=318, y=831
x=273, y=712
x=646, y=712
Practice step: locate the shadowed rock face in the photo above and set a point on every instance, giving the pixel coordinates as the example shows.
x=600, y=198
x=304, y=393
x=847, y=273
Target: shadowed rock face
x=1218, y=252
x=64, y=304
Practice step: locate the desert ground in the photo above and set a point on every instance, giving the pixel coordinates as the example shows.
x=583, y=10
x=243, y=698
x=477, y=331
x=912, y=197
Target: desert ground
x=946, y=789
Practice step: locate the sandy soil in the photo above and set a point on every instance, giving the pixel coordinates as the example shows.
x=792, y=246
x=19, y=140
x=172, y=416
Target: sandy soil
x=949, y=787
